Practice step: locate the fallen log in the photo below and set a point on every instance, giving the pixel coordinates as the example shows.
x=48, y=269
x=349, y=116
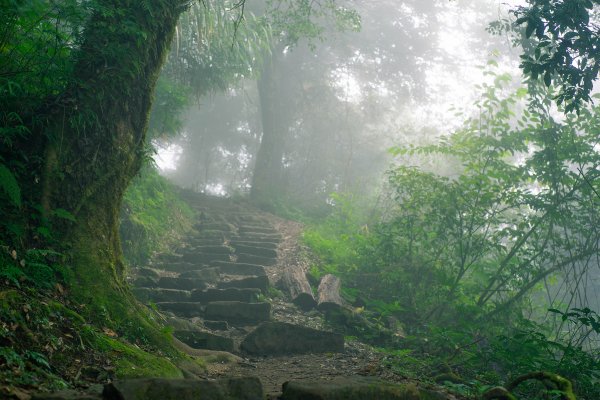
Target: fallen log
x=295, y=282
x=329, y=293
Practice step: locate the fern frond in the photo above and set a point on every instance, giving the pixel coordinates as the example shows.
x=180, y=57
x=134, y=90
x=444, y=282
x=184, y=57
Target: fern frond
x=9, y=184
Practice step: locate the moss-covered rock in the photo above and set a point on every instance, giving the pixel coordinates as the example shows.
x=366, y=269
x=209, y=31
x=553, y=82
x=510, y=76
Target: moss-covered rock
x=356, y=388
x=177, y=389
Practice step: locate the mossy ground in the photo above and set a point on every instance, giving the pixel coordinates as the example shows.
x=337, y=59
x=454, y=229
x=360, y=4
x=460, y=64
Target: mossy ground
x=46, y=344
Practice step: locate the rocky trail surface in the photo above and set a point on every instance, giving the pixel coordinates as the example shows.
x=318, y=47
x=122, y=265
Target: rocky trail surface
x=218, y=291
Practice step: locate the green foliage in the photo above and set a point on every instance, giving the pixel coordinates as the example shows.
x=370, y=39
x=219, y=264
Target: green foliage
x=170, y=101
x=216, y=46
x=339, y=239
x=41, y=269
x=9, y=185
x=297, y=20
x=152, y=216
x=564, y=50
x=459, y=250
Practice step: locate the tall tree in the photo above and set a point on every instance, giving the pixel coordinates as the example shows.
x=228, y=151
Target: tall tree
x=82, y=142
x=295, y=21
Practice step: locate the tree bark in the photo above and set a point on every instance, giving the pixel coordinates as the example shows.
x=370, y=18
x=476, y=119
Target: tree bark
x=268, y=167
x=295, y=282
x=329, y=293
x=95, y=143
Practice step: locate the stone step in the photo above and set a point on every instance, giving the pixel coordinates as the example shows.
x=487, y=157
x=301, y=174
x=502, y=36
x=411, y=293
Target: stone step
x=256, y=251
x=214, y=226
x=263, y=229
x=216, y=325
x=148, y=272
x=167, y=282
x=236, y=312
x=252, y=259
x=262, y=245
x=204, y=258
x=205, y=340
x=250, y=219
x=219, y=249
x=245, y=388
x=168, y=258
x=209, y=275
x=248, y=295
x=193, y=241
x=258, y=282
x=280, y=338
x=237, y=268
x=257, y=237
x=182, y=308
x=182, y=266
x=146, y=295
x=211, y=234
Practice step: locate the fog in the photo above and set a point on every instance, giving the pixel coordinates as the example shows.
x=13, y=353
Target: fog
x=336, y=104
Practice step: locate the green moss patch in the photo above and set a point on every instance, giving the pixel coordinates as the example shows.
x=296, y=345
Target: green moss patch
x=133, y=362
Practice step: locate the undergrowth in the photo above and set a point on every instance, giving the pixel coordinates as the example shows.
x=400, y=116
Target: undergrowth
x=49, y=342
x=466, y=353
x=152, y=217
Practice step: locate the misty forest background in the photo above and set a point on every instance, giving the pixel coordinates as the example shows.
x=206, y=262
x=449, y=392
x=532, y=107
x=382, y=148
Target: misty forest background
x=442, y=156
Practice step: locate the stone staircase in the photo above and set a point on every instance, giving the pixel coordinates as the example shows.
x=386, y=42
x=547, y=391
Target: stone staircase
x=214, y=288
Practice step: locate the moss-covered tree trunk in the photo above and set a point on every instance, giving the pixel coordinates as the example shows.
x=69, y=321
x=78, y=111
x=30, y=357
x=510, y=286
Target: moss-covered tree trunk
x=95, y=142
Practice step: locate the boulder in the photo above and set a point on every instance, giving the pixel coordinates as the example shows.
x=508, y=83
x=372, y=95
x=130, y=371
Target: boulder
x=280, y=338
x=356, y=388
x=204, y=340
x=248, y=388
x=237, y=312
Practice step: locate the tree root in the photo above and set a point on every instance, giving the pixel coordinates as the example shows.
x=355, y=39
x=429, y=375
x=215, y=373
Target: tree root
x=548, y=379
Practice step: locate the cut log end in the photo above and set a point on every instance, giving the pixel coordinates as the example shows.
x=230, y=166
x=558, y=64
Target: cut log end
x=295, y=282
x=329, y=293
